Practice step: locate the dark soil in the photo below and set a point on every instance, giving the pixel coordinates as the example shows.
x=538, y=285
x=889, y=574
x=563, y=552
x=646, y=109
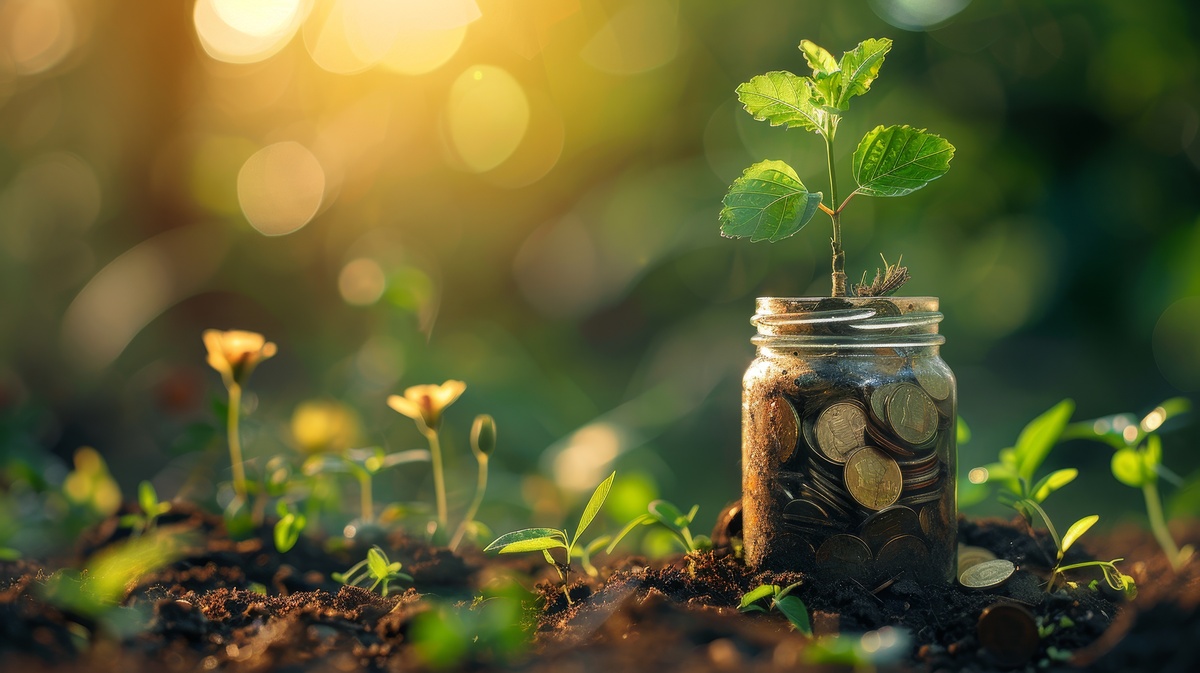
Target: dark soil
x=200, y=614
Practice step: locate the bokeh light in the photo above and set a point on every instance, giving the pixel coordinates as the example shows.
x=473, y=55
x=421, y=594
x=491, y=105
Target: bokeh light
x=640, y=36
x=362, y=282
x=487, y=114
x=38, y=34
x=1177, y=344
x=247, y=31
x=280, y=188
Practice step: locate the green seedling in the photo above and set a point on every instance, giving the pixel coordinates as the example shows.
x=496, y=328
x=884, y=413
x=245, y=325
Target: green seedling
x=668, y=516
x=377, y=566
x=781, y=600
x=483, y=442
x=547, y=539
x=150, y=507
x=363, y=465
x=1115, y=578
x=289, y=527
x=769, y=202
x=586, y=552
x=1137, y=463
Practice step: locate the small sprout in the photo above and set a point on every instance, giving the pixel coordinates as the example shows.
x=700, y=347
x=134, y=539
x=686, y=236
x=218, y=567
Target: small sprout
x=546, y=539
x=363, y=465
x=425, y=404
x=377, y=566
x=887, y=280
x=1059, y=655
x=586, y=552
x=257, y=588
x=670, y=517
x=289, y=527
x=483, y=443
x=235, y=354
x=150, y=508
x=782, y=601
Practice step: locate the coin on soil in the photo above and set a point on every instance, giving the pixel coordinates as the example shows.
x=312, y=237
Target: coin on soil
x=912, y=414
x=873, y=478
x=840, y=429
x=969, y=556
x=987, y=575
x=1009, y=633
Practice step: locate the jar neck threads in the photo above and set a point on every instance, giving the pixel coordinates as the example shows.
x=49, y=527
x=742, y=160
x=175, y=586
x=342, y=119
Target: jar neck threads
x=846, y=323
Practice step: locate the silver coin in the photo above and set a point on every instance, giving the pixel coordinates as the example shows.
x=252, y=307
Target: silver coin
x=987, y=575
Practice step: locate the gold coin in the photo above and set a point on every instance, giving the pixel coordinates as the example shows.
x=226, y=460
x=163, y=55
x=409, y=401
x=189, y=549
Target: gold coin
x=969, y=557
x=840, y=430
x=912, y=415
x=903, y=554
x=873, y=478
x=844, y=551
x=936, y=383
x=889, y=523
x=787, y=428
x=987, y=575
x=879, y=398
x=1009, y=633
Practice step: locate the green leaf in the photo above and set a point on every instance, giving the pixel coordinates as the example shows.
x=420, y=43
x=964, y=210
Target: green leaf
x=783, y=99
x=1052, y=482
x=668, y=515
x=767, y=203
x=639, y=520
x=899, y=160
x=757, y=594
x=859, y=67
x=287, y=531
x=502, y=542
x=1153, y=455
x=1129, y=468
x=377, y=562
x=821, y=61
x=593, y=506
x=1036, y=440
x=147, y=498
x=1076, y=530
x=796, y=612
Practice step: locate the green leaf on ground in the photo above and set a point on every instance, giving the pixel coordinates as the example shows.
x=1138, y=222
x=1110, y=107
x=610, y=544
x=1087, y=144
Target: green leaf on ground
x=767, y=203
x=899, y=160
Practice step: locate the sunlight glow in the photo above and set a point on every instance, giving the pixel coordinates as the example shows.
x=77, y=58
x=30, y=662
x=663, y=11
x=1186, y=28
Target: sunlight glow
x=280, y=188
x=487, y=116
x=247, y=31
x=37, y=34
x=420, y=51
x=585, y=460
x=362, y=282
x=641, y=36
x=1154, y=419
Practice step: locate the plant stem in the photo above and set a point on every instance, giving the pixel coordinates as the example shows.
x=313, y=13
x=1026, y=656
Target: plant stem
x=439, y=477
x=1158, y=524
x=368, y=507
x=235, y=444
x=480, y=489
x=838, y=275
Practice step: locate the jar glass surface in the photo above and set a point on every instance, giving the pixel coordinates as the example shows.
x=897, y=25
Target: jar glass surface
x=848, y=441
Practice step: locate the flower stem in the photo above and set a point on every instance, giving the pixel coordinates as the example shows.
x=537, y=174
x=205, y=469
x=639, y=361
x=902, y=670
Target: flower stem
x=480, y=489
x=838, y=275
x=1158, y=524
x=235, y=443
x=439, y=477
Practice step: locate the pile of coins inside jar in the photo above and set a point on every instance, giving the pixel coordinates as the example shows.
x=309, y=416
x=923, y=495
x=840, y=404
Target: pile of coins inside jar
x=863, y=484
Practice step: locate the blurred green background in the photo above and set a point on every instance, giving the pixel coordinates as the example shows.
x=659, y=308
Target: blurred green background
x=523, y=194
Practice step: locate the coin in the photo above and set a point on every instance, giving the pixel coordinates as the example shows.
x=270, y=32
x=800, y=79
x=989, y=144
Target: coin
x=1009, y=633
x=840, y=428
x=844, y=554
x=883, y=308
x=911, y=414
x=936, y=520
x=969, y=557
x=987, y=575
x=873, y=478
x=787, y=428
x=889, y=523
x=728, y=526
x=903, y=554
x=934, y=382
x=805, y=508
x=878, y=399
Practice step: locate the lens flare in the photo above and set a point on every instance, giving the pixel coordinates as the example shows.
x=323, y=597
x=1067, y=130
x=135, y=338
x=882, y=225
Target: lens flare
x=487, y=116
x=247, y=31
x=280, y=188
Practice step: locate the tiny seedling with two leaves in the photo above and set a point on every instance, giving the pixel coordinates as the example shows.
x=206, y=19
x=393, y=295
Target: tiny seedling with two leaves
x=667, y=515
x=781, y=600
x=547, y=539
x=151, y=508
x=770, y=203
x=377, y=566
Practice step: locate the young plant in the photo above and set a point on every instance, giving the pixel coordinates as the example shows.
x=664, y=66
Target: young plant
x=151, y=509
x=547, y=539
x=781, y=600
x=668, y=516
x=289, y=527
x=1137, y=463
x=377, y=566
x=1014, y=472
x=363, y=465
x=1115, y=578
x=483, y=442
x=769, y=202
x=425, y=405
x=235, y=354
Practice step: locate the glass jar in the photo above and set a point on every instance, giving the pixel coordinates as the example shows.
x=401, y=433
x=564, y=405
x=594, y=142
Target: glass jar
x=848, y=441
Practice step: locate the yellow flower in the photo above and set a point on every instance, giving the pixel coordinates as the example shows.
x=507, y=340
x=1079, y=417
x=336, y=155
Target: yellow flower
x=323, y=426
x=425, y=404
x=235, y=353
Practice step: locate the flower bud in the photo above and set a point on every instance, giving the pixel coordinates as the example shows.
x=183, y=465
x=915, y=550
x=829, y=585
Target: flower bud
x=483, y=435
